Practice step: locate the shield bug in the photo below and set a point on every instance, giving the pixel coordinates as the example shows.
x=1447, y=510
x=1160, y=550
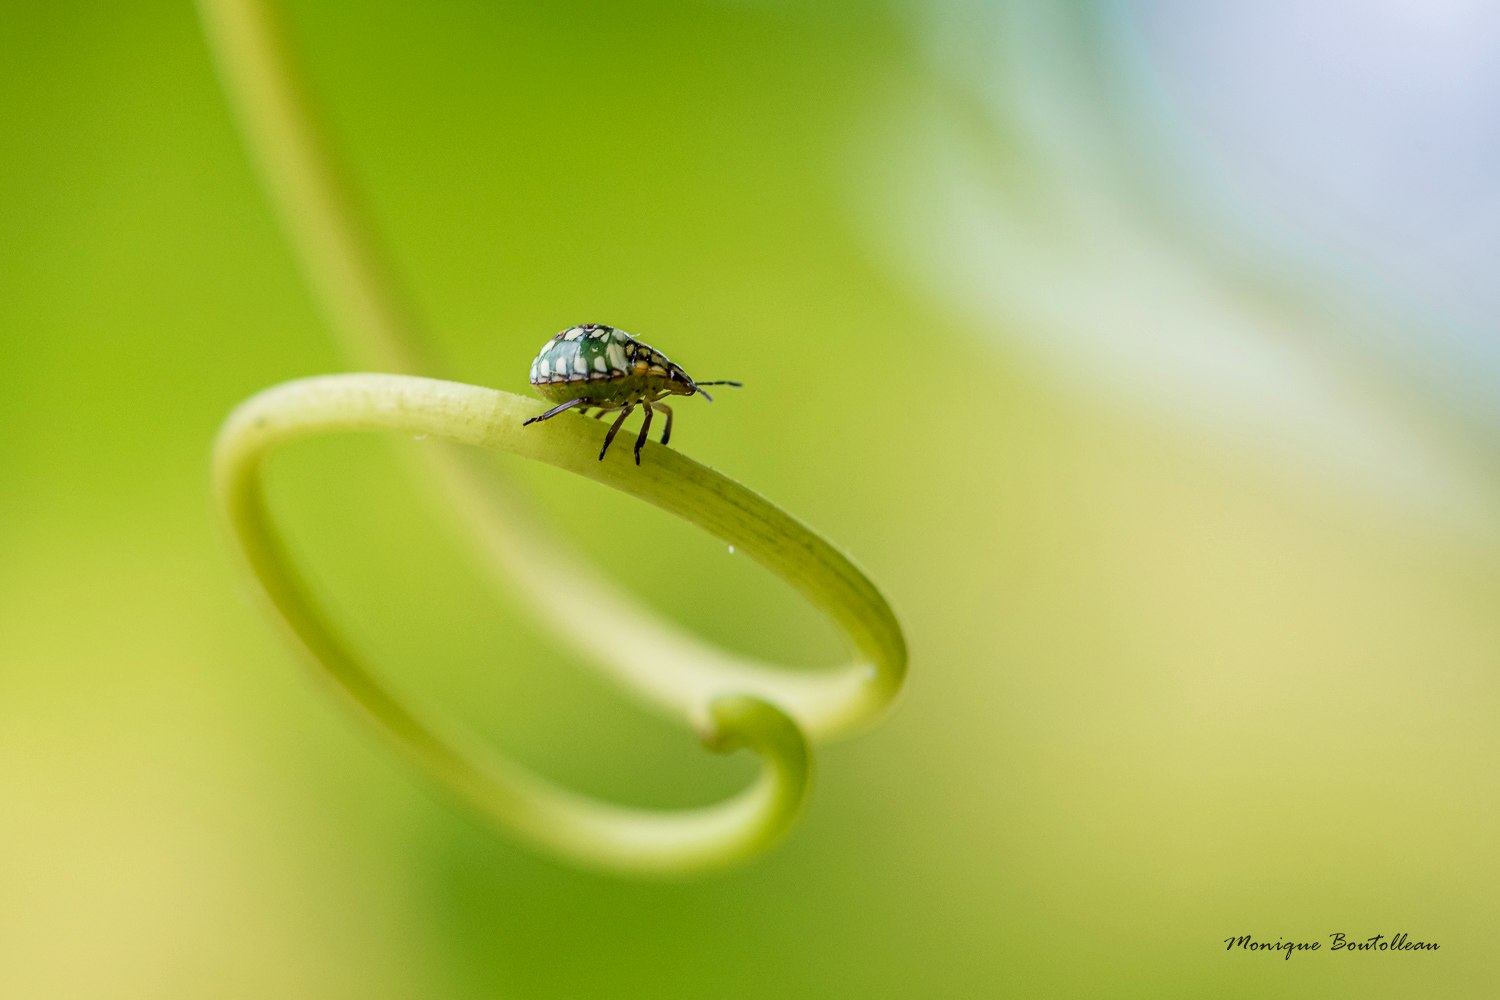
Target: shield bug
x=598, y=367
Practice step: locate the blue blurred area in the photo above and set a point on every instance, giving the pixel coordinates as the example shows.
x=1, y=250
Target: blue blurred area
x=1360, y=138
x=1098, y=188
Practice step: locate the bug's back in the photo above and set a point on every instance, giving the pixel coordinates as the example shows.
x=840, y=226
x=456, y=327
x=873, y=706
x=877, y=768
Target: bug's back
x=605, y=366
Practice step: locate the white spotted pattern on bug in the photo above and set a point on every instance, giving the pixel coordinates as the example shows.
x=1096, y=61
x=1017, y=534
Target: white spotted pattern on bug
x=603, y=368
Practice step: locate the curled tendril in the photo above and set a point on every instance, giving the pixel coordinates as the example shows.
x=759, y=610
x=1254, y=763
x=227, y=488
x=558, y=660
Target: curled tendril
x=734, y=701
x=763, y=710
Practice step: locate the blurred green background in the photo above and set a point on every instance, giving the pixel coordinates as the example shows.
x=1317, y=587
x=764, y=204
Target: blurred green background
x=1199, y=575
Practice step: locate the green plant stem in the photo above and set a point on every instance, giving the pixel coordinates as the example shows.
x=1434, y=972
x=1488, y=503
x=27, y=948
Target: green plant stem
x=751, y=711
x=336, y=246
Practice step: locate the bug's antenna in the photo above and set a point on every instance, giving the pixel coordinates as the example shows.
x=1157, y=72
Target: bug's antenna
x=699, y=385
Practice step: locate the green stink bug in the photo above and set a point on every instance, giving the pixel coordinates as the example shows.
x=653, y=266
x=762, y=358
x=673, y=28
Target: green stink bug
x=600, y=367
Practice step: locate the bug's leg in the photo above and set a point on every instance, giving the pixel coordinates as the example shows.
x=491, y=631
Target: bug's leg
x=640, y=442
x=599, y=415
x=614, y=429
x=552, y=412
x=666, y=434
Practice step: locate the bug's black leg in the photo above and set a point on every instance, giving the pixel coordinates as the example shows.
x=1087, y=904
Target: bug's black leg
x=614, y=429
x=640, y=442
x=666, y=434
x=552, y=412
x=599, y=415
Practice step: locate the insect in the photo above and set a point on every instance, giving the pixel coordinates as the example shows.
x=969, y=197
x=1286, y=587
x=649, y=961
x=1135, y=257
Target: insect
x=598, y=367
